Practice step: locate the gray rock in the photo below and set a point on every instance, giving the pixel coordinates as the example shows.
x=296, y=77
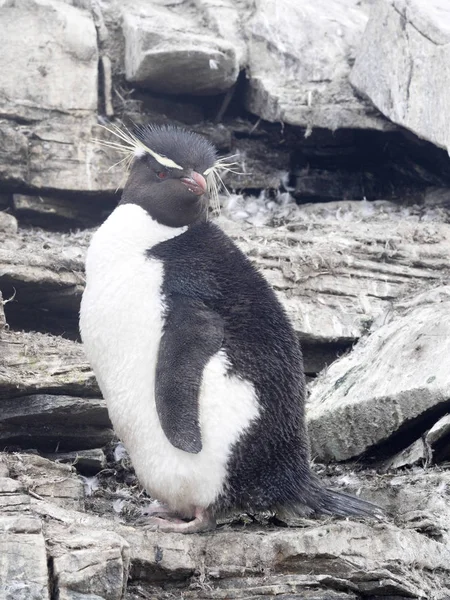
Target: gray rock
x=432, y=447
x=391, y=378
x=438, y=439
x=418, y=498
x=47, y=479
x=359, y=556
x=295, y=79
x=43, y=270
x=58, y=153
x=50, y=422
x=351, y=259
x=89, y=565
x=167, y=51
x=62, y=76
x=2, y=314
x=33, y=362
x=440, y=429
x=8, y=224
x=23, y=568
x=402, y=65
x=60, y=213
x=87, y=462
x=414, y=455
x=91, y=557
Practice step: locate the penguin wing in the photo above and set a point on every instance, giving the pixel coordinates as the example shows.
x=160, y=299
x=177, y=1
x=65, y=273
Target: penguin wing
x=193, y=333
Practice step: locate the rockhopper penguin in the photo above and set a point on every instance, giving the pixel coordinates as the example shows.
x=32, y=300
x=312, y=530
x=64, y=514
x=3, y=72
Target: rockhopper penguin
x=200, y=368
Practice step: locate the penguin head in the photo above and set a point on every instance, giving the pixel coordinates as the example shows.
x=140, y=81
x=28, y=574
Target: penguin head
x=168, y=174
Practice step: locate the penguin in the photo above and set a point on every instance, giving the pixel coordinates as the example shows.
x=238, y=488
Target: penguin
x=198, y=363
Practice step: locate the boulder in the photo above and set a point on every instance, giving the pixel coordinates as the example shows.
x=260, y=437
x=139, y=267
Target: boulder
x=295, y=79
x=8, y=224
x=49, y=60
x=403, y=65
x=158, y=58
x=389, y=387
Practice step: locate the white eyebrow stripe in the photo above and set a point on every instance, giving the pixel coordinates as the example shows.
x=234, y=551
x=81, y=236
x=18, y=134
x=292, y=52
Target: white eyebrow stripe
x=141, y=149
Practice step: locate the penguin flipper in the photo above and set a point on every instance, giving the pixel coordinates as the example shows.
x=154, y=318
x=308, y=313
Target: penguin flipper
x=192, y=335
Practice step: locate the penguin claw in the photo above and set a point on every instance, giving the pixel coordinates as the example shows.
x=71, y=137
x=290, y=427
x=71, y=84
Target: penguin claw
x=203, y=521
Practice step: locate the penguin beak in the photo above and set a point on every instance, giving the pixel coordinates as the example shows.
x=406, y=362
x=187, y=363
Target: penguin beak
x=196, y=183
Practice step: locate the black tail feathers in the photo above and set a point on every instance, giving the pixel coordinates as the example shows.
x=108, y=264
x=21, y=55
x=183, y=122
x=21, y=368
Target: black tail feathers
x=332, y=502
x=315, y=499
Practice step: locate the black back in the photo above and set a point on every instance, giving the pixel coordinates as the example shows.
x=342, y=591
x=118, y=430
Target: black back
x=269, y=465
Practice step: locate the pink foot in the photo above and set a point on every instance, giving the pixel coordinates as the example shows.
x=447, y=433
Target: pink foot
x=203, y=521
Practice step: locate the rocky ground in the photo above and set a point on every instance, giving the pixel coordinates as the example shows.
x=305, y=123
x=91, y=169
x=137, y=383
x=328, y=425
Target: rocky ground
x=335, y=111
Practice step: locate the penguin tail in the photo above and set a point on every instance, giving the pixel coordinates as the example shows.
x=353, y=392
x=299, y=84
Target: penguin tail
x=332, y=502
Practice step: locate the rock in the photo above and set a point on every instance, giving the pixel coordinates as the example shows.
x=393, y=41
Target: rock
x=54, y=422
x=438, y=439
x=23, y=568
x=432, y=447
x=87, y=462
x=12, y=494
x=334, y=267
x=58, y=153
x=8, y=224
x=335, y=276
x=260, y=165
x=413, y=455
x=57, y=213
x=387, y=384
x=356, y=556
x=402, y=65
x=294, y=80
x=2, y=314
x=48, y=480
x=62, y=76
x=418, y=498
x=89, y=565
x=42, y=270
x=36, y=362
x=318, y=560
x=158, y=58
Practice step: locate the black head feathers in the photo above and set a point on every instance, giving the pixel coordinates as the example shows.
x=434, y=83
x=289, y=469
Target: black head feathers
x=173, y=148
x=185, y=149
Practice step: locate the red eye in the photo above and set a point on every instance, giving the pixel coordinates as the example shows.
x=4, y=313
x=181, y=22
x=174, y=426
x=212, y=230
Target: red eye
x=162, y=174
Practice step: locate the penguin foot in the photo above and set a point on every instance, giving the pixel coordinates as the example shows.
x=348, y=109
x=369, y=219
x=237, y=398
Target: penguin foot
x=203, y=521
x=159, y=510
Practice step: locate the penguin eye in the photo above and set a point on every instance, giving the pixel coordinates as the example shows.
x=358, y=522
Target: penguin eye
x=162, y=174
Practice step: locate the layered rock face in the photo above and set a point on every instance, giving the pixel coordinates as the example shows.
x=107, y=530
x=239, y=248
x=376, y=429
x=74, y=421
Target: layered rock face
x=336, y=114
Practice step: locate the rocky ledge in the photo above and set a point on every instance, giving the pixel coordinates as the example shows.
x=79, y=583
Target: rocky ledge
x=335, y=112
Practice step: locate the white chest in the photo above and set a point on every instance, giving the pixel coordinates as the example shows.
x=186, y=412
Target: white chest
x=121, y=321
